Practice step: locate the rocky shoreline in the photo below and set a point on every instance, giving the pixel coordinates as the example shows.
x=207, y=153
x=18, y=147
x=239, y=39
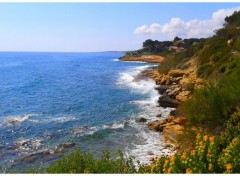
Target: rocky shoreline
x=174, y=88
x=144, y=58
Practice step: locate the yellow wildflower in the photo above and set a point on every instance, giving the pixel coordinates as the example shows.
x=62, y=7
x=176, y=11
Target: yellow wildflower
x=193, y=152
x=201, y=143
x=211, y=139
x=228, y=166
x=210, y=167
x=152, y=168
x=172, y=158
x=169, y=170
x=205, y=137
x=184, y=155
x=198, y=136
x=165, y=163
x=125, y=170
x=188, y=171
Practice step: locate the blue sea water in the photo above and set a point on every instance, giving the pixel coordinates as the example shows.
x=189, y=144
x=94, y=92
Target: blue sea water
x=89, y=99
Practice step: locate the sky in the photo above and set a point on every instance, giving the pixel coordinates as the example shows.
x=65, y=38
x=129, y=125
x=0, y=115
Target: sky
x=92, y=27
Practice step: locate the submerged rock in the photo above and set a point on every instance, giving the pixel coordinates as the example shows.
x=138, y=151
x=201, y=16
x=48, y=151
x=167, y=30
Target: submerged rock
x=142, y=119
x=66, y=145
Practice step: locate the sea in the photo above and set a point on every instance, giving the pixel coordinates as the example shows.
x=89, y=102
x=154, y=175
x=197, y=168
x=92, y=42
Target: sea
x=56, y=103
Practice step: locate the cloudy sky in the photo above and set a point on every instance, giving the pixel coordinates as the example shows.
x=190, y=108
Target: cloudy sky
x=86, y=27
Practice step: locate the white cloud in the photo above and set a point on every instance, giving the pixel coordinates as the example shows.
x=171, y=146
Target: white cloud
x=188, y=29
x=153, y=28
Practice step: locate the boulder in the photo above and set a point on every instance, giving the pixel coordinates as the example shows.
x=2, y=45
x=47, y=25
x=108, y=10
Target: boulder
x=169, y=119
x=154, y=126
x=163, y=81
x=162, y=89
x=151, y=159
x=166, y=101
x=142, y=119
x=177, y=73
x=171, y=132
x=174, y=92
x=173, y=112
x=180, y=120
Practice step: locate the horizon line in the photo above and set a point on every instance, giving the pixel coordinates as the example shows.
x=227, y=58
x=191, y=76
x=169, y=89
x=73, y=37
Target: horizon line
x=61, y=51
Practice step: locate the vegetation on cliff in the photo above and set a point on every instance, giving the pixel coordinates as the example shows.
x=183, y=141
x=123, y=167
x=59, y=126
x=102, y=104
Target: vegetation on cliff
x=212, y=111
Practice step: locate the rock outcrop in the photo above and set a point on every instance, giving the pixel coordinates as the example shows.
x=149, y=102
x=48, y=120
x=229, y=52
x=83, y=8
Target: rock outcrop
x=144, y=58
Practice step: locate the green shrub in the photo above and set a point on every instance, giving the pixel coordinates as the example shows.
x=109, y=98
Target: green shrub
x=232, y=129
x=78, y=162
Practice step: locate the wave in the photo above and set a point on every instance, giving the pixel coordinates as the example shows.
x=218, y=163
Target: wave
x=84, y=130
x=115, y=125
x=16, y=120
x=150, y=143
x=62, y=119
x=89, y=130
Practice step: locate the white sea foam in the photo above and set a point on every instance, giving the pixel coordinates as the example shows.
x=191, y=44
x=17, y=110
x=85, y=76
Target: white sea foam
x=151, y=142
x=16, y=120
x=24, y=145
x=115, y=125
x=84, y=130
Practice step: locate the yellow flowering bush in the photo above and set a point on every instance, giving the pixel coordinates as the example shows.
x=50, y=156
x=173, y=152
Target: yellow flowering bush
x=207, y=157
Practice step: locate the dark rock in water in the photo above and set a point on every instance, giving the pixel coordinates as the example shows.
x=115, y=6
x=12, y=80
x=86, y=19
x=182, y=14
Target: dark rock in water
x=173, y=112
x=159, y=115
x=166, y=101
x=142, y=119
x=66, y=145
x=168, y=146
x=150, y=153
x=151, y=159
x=33, y=157
x=161, y=89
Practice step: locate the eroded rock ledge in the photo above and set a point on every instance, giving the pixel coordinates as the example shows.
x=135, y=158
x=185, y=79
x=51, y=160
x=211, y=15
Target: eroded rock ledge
x=174, y=87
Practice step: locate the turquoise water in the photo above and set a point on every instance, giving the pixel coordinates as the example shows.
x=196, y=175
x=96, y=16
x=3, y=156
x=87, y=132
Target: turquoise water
x=90, y=100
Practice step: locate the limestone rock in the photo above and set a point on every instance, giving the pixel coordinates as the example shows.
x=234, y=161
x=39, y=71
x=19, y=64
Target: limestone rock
x=183, y=96
x=171, y=132
x=154, y=126
x=180, y=120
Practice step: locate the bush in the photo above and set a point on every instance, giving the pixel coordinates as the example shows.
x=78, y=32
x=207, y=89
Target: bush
x=78, y=162
x=207, y=157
